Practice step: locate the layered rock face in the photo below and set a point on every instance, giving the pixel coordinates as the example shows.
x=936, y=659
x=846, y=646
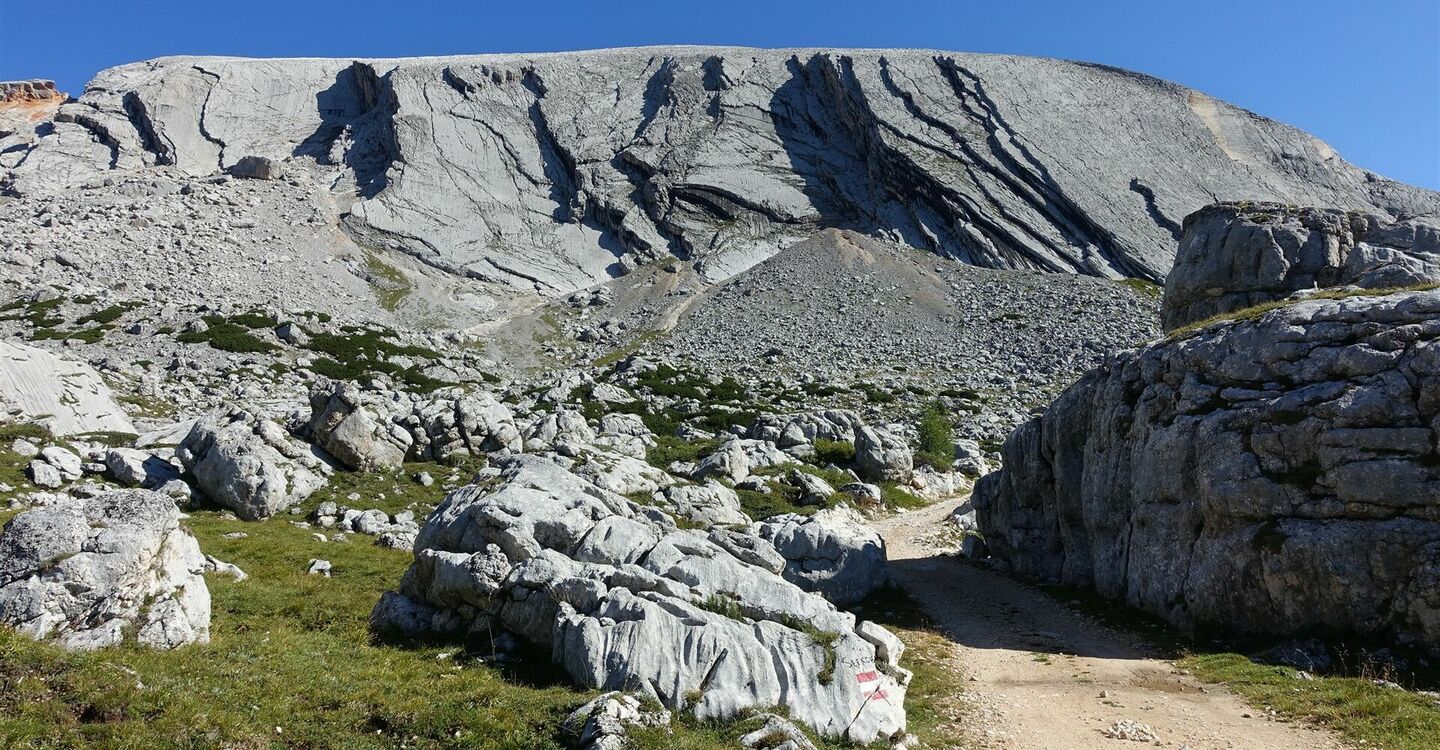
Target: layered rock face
x=552, y=172
x=83, y=571
x=1272, y=476
x=625, y=600
x=1235, y=255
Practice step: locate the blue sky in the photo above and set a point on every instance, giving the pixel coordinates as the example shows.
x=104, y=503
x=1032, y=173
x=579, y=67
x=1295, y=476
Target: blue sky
x=1363, y=76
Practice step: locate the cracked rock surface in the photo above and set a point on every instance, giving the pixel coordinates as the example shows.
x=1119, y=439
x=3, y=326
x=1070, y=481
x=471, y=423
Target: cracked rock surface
x=1270, y=476
x=86, y=571
x=1235, y=255
x=516, y=169
x=626, y=600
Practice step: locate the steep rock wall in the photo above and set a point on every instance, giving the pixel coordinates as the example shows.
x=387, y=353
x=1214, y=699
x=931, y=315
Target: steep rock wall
x=1274, y=476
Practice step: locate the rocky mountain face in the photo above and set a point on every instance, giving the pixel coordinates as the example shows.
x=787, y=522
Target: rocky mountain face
x=554, y=172
x=1235, y=255
x=623, y=349
x=1263, y=475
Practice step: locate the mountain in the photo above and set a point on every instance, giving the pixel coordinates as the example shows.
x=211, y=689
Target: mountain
x=554, y=172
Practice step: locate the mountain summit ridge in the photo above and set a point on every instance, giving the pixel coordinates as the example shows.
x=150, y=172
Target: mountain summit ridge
x=551, y=172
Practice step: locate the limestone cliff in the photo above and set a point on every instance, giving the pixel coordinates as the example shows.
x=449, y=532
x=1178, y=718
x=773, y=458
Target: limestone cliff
x=555, y=171
x=1268, y=475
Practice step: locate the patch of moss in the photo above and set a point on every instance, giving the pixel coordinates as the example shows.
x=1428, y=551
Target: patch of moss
x=391, y=284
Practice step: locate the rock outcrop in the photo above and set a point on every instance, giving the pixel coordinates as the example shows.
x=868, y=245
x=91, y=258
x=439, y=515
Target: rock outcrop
x=65, y=396
x=368, y=429
x=84, y=572
x=1272, y=476
x=513, y=168
x=832, y=553
x=249, y=464
x=1236, y=255
x=626, y=600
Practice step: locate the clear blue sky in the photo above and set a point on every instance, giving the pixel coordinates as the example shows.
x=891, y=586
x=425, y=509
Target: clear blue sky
x=1363, y=76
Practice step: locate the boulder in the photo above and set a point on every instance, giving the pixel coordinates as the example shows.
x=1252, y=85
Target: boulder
x=258, y=168
x=357, y=431
x=832, y=553
x=85, y=571
x=881, y=455
x=250, y=464
x=707, y=504
x=1273, y=476
x=137, y=468
x=603, y=723
x=561, y=428
x=790, y=430
x=1236, y=255
x=65, y=461
x=624, y=599
x=813, y=489
x=737, y=457
x=44, y=474
x=373, y=428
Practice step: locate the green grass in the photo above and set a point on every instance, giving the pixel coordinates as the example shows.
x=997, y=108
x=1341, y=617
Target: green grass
x=1359, y=709
x=1144, y=287
x=1255, y=311
x=391, y=284
x=393, y=491
x=288, y=650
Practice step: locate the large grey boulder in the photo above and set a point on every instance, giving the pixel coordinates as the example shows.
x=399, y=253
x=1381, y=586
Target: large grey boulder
x=709, y=504
x=258, y=168
x=882, y=455
x=833, y=553
x=249, y=464
x=359, y=432
x=137, y=468
x=1236, y=255
x=1002, y=161
x=790, y=430
x=65, y=396
x=1275, y=476
x=626, y=600
x=84, y=572
x=369, y=428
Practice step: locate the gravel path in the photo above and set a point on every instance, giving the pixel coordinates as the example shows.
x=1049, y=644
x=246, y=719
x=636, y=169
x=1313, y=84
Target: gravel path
x=1043, y=676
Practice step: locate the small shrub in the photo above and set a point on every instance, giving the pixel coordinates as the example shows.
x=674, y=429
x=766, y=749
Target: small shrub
x=937, y=438
x=227, y=337
x=669, y=449
x=723, y=603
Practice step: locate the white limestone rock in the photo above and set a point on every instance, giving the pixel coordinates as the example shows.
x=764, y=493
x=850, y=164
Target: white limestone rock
x=623, y=598
x=65, y=396
x=83, y=572
x=832, y=552
x=250, y=465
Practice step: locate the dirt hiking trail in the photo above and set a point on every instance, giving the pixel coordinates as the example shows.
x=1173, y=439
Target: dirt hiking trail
x=1042, y=676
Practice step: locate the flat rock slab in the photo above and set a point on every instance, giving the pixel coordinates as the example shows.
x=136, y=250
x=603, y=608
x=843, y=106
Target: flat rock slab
x=66, y=396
